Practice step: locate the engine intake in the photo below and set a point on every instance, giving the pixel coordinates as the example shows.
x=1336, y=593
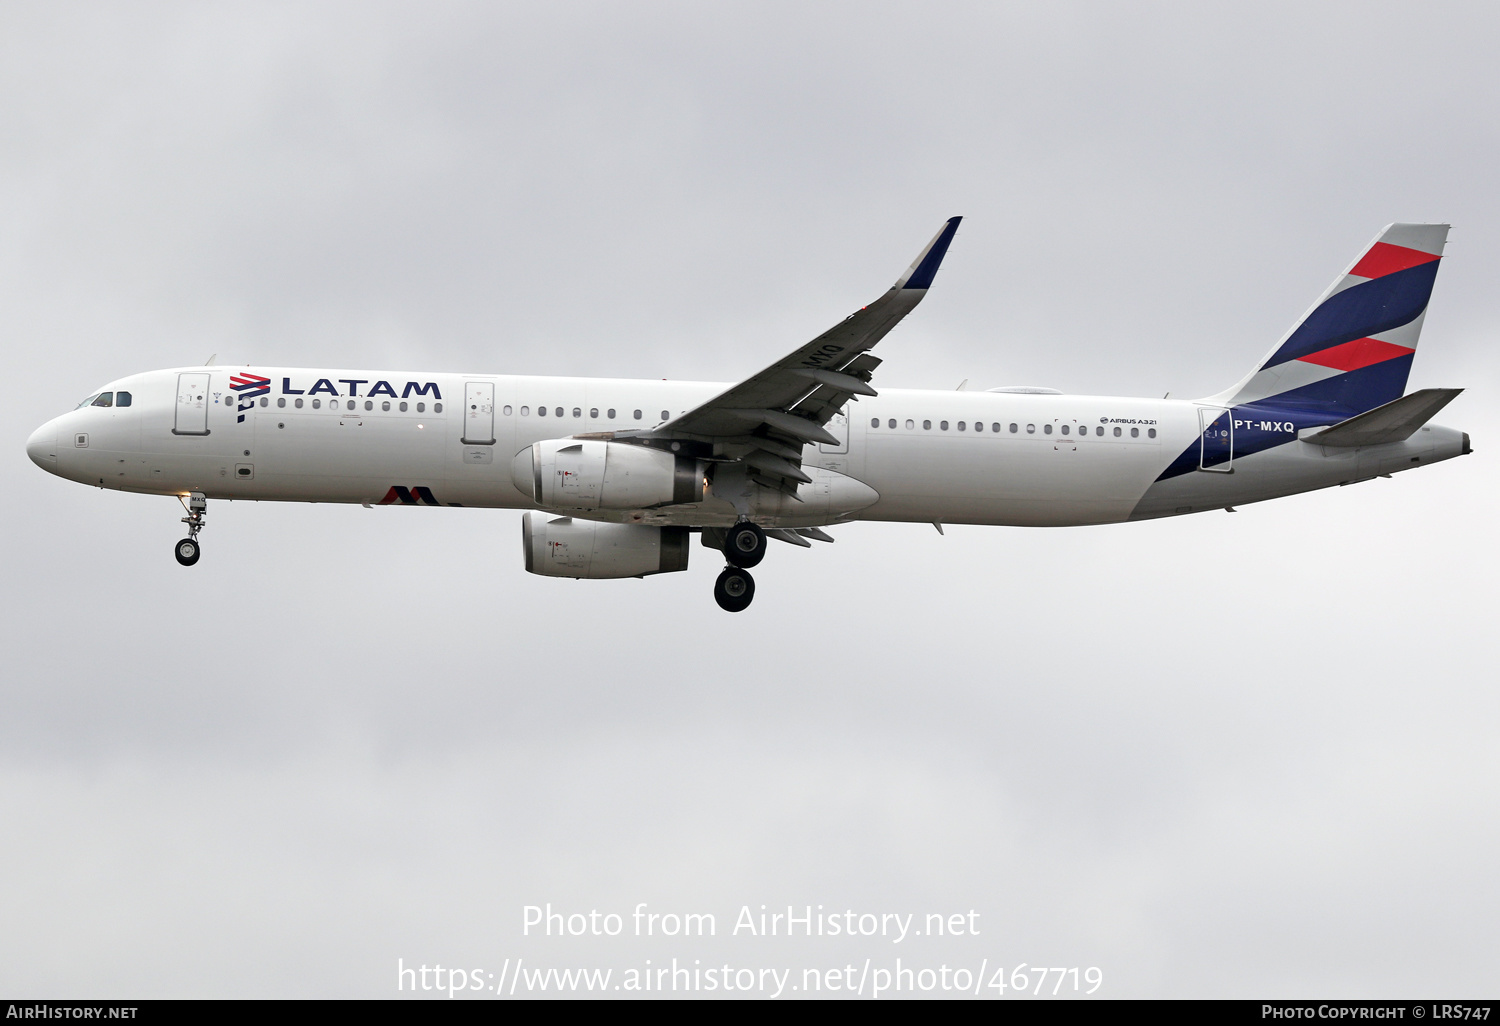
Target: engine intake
x=586, y=549
x=565, y=474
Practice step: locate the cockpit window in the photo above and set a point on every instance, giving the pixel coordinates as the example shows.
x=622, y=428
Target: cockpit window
x=104, y=399
x=122, y=398
x=87, y=402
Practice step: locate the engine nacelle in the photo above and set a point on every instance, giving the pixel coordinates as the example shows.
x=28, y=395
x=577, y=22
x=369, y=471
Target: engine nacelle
x=565, y=547
x=565, y=474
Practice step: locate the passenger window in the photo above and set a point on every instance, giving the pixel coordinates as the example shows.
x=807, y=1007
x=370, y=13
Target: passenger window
x=891, y=423
x=610, y=414
x=1030, y=429
x=317, y=404
x=280, y=403
x=874, y=422
x=369, y=405
x=1099, y=431
x=943, y=424
x=104, y=399
x=1135, y=432
x=926, y=425
x=436, y=407
x=385, y=407
x=351, y=404
x=1117, y=432
x=1065, y=429
x=264, y=402
x=298, y=403
x=995, y=428
x=979, y=425
x=910, y=424
x=637, y=414
x=541, y=411
x=1046, y=429
x=666, y=414
x=961, y=425
x=557, y=412
x=505, y=411
x=577, y=412
x=594, y=414
x=421, y=407
x=526, y=411
x=122, y=398
x=1151, y=432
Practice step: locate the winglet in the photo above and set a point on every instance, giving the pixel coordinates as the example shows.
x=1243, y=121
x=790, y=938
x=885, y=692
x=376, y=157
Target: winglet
x=920, y=274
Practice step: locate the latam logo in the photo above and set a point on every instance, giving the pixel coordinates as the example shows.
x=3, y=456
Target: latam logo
x=324, y=386
x=418, y=496
x=249, y=386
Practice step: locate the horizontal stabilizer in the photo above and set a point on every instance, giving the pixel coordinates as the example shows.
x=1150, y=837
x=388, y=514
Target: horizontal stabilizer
x=1393, y=422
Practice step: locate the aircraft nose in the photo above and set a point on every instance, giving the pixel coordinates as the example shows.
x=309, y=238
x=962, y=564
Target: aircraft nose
x=42, y=446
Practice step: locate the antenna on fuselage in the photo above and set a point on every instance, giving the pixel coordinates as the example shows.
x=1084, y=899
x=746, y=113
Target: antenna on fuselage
x=210, y=361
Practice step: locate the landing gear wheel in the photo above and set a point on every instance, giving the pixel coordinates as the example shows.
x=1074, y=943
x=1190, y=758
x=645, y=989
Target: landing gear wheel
x=745, y=545
x=734, y=589
x=196, y=504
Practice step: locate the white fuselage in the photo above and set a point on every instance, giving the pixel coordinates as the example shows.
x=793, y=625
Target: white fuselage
x=1002, y=458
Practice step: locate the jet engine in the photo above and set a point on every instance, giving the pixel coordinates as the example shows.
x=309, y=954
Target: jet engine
x=565, y=474
x=565, y=547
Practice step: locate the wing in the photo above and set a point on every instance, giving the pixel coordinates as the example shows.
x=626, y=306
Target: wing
x=767, y=418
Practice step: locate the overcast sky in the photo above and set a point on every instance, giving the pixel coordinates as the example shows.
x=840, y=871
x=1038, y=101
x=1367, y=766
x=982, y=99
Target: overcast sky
x=1216, y=755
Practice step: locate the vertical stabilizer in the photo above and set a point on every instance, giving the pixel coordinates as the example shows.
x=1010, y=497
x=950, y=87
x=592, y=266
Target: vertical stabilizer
x=1353, y=350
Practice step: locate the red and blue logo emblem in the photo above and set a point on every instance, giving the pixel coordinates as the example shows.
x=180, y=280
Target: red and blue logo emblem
x=249, y=386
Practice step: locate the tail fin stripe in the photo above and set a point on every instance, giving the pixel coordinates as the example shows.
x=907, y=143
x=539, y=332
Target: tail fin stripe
x=1384, y=258
x=1362, y=352
x=1377, y=305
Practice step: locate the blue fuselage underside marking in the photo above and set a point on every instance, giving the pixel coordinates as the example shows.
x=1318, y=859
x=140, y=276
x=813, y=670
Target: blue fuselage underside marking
x=1324, y=402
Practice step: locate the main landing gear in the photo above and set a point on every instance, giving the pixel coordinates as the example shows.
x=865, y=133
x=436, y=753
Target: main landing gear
x=734, y=589
x=744, y=547
x=187, y=551
x=744, y=544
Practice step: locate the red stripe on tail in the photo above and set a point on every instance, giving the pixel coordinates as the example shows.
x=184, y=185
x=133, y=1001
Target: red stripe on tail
x=1384, y=259
x=1362, y=352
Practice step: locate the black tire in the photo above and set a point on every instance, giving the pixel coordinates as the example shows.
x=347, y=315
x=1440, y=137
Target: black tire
x=187, y=552
x=734, y=589
x=744, y=545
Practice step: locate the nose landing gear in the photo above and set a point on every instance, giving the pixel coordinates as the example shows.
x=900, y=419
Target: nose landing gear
x=734, y=589
x=187, y=551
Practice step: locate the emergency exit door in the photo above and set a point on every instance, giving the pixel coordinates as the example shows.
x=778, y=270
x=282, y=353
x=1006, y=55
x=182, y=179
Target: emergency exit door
x=479, y=413
x=838, y=427
x=192, y=404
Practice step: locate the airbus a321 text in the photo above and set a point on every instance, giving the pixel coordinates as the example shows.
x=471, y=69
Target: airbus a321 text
x=617, y=475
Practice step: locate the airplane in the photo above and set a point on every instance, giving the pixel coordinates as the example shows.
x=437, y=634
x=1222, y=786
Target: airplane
x=616, y=475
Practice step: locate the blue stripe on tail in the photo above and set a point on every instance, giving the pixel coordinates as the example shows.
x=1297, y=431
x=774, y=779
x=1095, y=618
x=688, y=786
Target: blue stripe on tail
x=1361, y=311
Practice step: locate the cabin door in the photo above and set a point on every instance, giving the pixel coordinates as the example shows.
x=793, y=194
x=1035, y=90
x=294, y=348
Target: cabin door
x=192, y=404
x=479, y=413
x=1215, y=439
